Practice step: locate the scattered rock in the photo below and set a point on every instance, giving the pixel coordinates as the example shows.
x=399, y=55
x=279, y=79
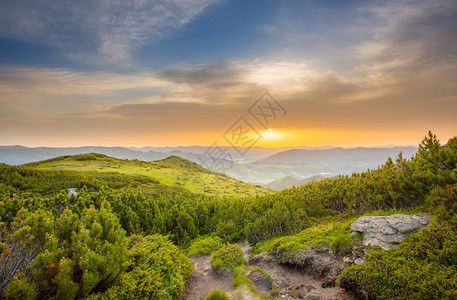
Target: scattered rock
x=317, y=261
x=262, y=257
x=389, y=231
x=313, y=297
x=298, y=294
x=293, y=282
x=72, y=192
x=261, y=282
x=310, y=288
x=329, y=280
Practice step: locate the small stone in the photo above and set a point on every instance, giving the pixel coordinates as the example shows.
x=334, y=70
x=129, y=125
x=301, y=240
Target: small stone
x=300, y=294
x=329, y=281
x=359, y=261
x=310, y=288
x=313, y=297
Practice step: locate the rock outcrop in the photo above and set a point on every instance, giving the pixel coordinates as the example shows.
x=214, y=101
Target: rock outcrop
x=389, y=231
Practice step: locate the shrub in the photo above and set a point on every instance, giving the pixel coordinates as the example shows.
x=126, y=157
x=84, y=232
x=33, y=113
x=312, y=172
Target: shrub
x=239, y=270
x=343, y=244
x=240, y=280
x=228, y=231
x=204, y=245
x=228, y=257
x=158, y=270
x=218, y=295
x=336, y=236
x=20, y=287
x=422, y=268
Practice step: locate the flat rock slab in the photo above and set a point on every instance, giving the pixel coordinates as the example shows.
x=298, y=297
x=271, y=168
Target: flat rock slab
x=389, y=231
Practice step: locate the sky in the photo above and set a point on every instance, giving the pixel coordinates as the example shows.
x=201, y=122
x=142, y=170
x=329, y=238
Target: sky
x=233, y=72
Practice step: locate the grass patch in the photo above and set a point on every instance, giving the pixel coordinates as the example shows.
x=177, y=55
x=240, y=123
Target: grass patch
x=218, y=295
x=240, y=280
x=204, y=245
x=239, y=270
x=337, y=234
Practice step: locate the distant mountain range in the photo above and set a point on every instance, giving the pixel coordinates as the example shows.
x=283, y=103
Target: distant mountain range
x=340, y=160
x=262, y=166
x=289, y=181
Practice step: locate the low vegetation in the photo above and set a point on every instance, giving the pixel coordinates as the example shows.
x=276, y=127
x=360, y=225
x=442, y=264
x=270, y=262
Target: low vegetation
x=218, y=295
x=116, y=238
x=228, y=256
x=204, y=245
x=335, y=235
x=156, y=270
x=424, y=267
x=174, y=172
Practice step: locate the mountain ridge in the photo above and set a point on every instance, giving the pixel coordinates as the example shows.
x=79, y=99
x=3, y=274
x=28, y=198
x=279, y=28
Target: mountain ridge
x=173, y=171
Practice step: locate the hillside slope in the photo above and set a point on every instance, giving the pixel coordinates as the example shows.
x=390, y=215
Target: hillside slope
x=172, y=171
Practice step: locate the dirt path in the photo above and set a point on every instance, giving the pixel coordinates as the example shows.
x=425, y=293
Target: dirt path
x=204, y=279
x=292, y=283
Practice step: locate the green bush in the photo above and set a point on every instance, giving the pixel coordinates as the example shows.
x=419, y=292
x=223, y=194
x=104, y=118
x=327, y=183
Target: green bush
x=240, y=280
x=239, y=270
x=20, y=287
x=205, y=245
x=228, y=256
x=343, y=244
x=157, y=270
x=218, y=295
x=424, y=267
x=335, y=235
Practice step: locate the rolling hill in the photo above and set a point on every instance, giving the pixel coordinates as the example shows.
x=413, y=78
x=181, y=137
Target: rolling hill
x=259, y=166
x=173, y=171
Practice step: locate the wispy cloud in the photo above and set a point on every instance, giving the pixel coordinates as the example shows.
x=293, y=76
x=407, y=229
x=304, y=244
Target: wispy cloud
x=417, y=34
x=401, y=77
x=100, y=30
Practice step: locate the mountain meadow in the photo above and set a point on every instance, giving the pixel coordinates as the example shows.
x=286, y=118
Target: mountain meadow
x=129, y=230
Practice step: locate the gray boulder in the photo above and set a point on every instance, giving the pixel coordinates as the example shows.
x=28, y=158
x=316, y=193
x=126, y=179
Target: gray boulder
x=389, y=231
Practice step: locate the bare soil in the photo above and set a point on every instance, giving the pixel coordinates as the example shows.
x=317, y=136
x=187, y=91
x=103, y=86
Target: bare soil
x=294, y=283
x=291, y=282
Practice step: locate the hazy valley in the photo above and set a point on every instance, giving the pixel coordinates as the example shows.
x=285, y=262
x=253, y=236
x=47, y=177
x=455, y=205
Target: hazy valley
x=259, y=166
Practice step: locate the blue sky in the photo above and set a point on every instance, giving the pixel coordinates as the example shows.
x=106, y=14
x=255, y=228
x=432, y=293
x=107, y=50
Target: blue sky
x=181, y=72
x=224, y=30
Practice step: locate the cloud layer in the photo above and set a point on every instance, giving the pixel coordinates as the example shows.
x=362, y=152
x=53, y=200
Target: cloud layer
x=399, y=81
x=99, y=30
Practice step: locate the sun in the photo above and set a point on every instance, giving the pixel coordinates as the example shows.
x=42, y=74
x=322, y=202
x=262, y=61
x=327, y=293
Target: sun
x=271, y=135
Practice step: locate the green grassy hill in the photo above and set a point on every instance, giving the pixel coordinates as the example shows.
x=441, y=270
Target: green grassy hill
x=172, y=171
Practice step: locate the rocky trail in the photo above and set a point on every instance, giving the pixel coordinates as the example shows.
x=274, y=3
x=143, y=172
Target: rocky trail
x=291, y=282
